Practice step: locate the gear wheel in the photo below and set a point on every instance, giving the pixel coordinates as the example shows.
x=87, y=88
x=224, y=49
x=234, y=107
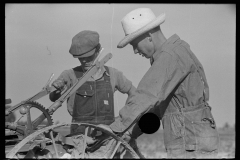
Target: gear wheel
x=33, y=104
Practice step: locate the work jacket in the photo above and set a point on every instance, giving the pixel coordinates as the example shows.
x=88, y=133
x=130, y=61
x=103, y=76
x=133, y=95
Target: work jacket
x=176, y=89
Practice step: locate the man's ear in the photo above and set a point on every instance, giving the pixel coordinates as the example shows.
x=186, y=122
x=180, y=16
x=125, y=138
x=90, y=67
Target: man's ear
x=150, y=37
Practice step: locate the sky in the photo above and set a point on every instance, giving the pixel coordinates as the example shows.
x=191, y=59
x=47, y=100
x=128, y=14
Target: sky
x=38, y=38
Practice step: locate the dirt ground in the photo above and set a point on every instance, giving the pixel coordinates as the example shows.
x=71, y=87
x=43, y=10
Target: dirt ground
x=152, y=145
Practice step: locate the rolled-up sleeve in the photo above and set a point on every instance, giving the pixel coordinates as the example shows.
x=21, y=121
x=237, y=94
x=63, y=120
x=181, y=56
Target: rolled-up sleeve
x=164, y=74
x=120, y=82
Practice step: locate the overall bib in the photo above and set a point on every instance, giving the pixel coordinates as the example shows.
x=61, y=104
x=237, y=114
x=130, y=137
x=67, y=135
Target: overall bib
x=93, y=102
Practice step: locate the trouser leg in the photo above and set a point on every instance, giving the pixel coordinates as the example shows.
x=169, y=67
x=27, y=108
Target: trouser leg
x=188, y=154
x=176, y=153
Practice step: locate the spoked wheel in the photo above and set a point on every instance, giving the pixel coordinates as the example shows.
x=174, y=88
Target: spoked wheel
x=117, y=142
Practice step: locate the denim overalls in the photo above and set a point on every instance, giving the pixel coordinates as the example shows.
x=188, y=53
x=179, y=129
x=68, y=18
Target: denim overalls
x=93, y=102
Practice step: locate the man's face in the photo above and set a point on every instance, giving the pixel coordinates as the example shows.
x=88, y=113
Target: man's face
x=86, y=62
x=143, y=46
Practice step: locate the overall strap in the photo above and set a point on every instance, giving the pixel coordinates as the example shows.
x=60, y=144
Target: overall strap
x=195, y=60
x=199, y=69
x=107, y=69
x=106, y=75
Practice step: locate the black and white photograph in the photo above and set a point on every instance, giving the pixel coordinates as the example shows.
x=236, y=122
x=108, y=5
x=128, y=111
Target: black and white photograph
x=120, y=80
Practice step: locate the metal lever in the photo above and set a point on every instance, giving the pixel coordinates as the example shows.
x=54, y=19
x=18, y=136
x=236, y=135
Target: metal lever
x=46, y=87
x=100, y=53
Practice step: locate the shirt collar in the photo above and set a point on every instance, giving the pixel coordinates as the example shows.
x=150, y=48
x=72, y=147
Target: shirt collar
x=171, y=39
x=100, y=73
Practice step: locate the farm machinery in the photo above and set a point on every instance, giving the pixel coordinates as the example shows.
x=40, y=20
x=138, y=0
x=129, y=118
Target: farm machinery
x=35, y=140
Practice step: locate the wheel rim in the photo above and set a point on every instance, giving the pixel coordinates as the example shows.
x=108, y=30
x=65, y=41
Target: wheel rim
x=119, y=140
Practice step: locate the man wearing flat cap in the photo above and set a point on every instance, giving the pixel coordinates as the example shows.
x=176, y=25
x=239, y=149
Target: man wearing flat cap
x=93, y=102
x=175, y=88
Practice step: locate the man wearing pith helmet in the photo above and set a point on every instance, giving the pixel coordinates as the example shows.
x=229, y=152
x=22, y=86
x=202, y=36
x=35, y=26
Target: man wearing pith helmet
x=93, y=102
x=175, y=87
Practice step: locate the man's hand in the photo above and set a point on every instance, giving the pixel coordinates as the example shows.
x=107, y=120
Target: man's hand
x=106, y=127
x=126, y=137
x=59, y=84
x=89, y=140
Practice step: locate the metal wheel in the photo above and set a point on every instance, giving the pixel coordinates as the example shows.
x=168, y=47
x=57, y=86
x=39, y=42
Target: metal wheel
x=118, y=141
x=27, y=107
x=10, y=142
x=31, y=106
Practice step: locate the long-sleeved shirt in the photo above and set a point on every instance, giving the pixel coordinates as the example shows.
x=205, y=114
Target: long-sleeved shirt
x=173, y=64
x=117, y=79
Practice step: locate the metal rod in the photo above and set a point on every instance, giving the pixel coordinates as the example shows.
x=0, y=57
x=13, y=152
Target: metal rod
x=115, y=149
x=84, y=143
x=29, y=121
x=54, y=145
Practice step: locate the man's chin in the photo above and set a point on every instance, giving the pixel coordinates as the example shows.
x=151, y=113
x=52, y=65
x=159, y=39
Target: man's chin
x=86, y=68
x=146, y=57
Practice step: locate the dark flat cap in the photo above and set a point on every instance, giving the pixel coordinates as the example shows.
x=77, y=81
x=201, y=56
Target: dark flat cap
x=84, y=44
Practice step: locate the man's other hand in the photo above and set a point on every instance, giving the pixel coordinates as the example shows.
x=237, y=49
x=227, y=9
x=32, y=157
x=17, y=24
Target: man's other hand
x=126, y=137
x=59, y=84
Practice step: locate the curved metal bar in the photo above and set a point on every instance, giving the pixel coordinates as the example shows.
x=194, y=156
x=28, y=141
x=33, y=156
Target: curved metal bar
x=84, y=143
x=31, y=136
x=115, y=149
x=54, y=145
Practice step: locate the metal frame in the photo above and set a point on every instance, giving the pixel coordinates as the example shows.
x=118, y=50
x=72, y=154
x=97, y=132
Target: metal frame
x=31, y=137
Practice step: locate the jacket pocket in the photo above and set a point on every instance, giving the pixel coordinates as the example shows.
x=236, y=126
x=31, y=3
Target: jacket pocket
x=84, y=103
x=85, y=93
x=177, y=124
x=203, y=130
